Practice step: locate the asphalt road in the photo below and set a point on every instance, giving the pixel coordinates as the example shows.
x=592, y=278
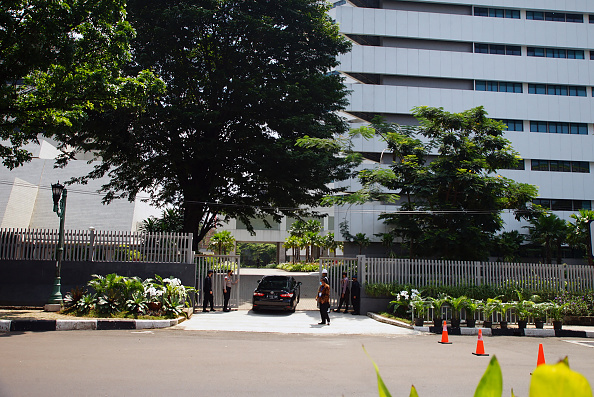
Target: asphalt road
x=214, y=363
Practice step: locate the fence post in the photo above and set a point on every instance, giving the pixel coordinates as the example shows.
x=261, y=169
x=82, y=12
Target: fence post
x=189, y=252
x=479, y=272
x=362, y=271
x=563, y=287
x=91, y=252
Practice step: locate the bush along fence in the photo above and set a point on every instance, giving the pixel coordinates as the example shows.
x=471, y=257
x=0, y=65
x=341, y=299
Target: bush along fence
x=478, y=291
x=96, y=246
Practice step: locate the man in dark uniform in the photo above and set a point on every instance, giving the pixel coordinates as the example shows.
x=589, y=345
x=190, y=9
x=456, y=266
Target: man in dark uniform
x=207, y=292
x=356, y=295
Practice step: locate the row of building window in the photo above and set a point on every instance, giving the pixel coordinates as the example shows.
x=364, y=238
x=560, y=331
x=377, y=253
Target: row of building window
x=544, y=52
x=498, y=49
x=554, y=16
x=551, y=127
x=582, y=167
x=543, y=89
x=555, y=89
x=563, y=205
x=496, y=12
x=531, y=15
x=498, y=86
x=540, y=52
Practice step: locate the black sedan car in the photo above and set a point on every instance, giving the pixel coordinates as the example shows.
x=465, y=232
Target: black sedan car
x=277, y=293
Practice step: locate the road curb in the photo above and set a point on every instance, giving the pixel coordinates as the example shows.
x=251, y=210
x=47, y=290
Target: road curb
x=91, y=324
x=529, y=332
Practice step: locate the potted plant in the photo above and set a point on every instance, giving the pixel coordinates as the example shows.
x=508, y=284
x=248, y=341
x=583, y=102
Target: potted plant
x=471, y=306
x=419, y=309
x=502, y=308
x=539, y=312
x=490, y=307
x=557, y=313
x=523, y=310
x=437, y=304
x=457, y=305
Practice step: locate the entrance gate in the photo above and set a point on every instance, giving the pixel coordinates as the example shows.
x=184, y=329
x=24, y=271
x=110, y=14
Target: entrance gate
x=219, y=264
x=335, y=267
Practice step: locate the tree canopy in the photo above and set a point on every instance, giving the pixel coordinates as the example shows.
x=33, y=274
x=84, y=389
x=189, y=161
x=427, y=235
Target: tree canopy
x=61, y=60
x=245, y=79
x=445, y=175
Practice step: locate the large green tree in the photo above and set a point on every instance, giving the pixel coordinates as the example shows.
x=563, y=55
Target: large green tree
x=549, y=231
x=245, y=79
x=445, y=174
x=60, y=60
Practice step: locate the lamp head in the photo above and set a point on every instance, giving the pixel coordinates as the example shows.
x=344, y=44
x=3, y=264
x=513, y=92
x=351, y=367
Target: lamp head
x=57, y=190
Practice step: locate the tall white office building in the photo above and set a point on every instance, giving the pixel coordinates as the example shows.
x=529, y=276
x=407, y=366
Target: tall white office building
x=529, y=63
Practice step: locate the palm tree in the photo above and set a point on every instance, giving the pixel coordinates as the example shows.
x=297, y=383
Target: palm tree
x=550, y=231
x=294, y=243
x=361, y=240
x=222, y=242
x=579, y=236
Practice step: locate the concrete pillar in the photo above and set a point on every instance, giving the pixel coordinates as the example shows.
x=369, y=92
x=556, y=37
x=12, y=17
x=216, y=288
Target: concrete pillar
x=281, y=253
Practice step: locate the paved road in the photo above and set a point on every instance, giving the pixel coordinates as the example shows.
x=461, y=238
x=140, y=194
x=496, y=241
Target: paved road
x=300, y=322
x=211, y=363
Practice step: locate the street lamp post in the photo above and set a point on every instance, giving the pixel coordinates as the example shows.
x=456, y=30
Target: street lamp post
x=59, y=194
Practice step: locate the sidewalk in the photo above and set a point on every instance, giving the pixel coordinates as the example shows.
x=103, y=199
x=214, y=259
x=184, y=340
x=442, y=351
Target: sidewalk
x=300, y=322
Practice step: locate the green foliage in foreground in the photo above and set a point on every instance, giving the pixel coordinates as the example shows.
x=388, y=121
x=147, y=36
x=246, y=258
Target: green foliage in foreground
x=556, y=380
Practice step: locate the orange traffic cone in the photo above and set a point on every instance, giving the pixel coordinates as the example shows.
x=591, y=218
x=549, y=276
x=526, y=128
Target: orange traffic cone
x=540, y=360
x=444, y=335
x=480, y=347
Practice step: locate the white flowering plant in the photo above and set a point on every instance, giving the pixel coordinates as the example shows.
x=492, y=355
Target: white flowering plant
x=403, y=300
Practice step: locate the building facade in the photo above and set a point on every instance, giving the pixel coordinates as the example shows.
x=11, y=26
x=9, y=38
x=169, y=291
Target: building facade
x=529, y=63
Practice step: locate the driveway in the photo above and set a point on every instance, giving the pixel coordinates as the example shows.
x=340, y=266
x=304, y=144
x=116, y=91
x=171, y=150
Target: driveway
x=300, y=322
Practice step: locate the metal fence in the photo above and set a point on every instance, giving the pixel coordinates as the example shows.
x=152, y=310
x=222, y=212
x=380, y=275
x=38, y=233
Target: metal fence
x=219, y=264
x=96, y=246
x=420, y=273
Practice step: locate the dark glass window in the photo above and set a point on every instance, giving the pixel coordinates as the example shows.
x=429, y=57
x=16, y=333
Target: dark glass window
x=481, y=48
x=536, y=52
x=481, y=11
x=582, y=205
x=591, y=18
x=591, y=54
x=512, y=14
x=538, y=126
x=497, y=49
x=580, y=166
x=577, y=91
x=537, y=89
x=480, y=85
x=561, y=205
x=577, y=18
x=492, y=86
x=513, y=50
x=555, y=16
x=536, y=15
x=496, y=12
x=540, y=165
x=575, y=54
x=514, y=125
x=578, y=129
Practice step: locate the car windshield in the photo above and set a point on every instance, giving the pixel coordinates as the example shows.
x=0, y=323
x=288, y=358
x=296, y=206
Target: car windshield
x=274, y=284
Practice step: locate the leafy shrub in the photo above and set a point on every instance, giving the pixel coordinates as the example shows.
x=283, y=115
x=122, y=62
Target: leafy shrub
x=117, y=295
x=577, y=304
x=299, y=266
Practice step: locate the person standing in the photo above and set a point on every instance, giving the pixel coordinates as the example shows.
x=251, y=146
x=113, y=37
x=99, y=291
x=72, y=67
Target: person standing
x=356, y=295
x=207, y=296
x=323, y=299
x=228, y=282
x=344, y=293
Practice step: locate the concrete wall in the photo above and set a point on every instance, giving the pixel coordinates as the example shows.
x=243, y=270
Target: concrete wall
x=29, y=283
